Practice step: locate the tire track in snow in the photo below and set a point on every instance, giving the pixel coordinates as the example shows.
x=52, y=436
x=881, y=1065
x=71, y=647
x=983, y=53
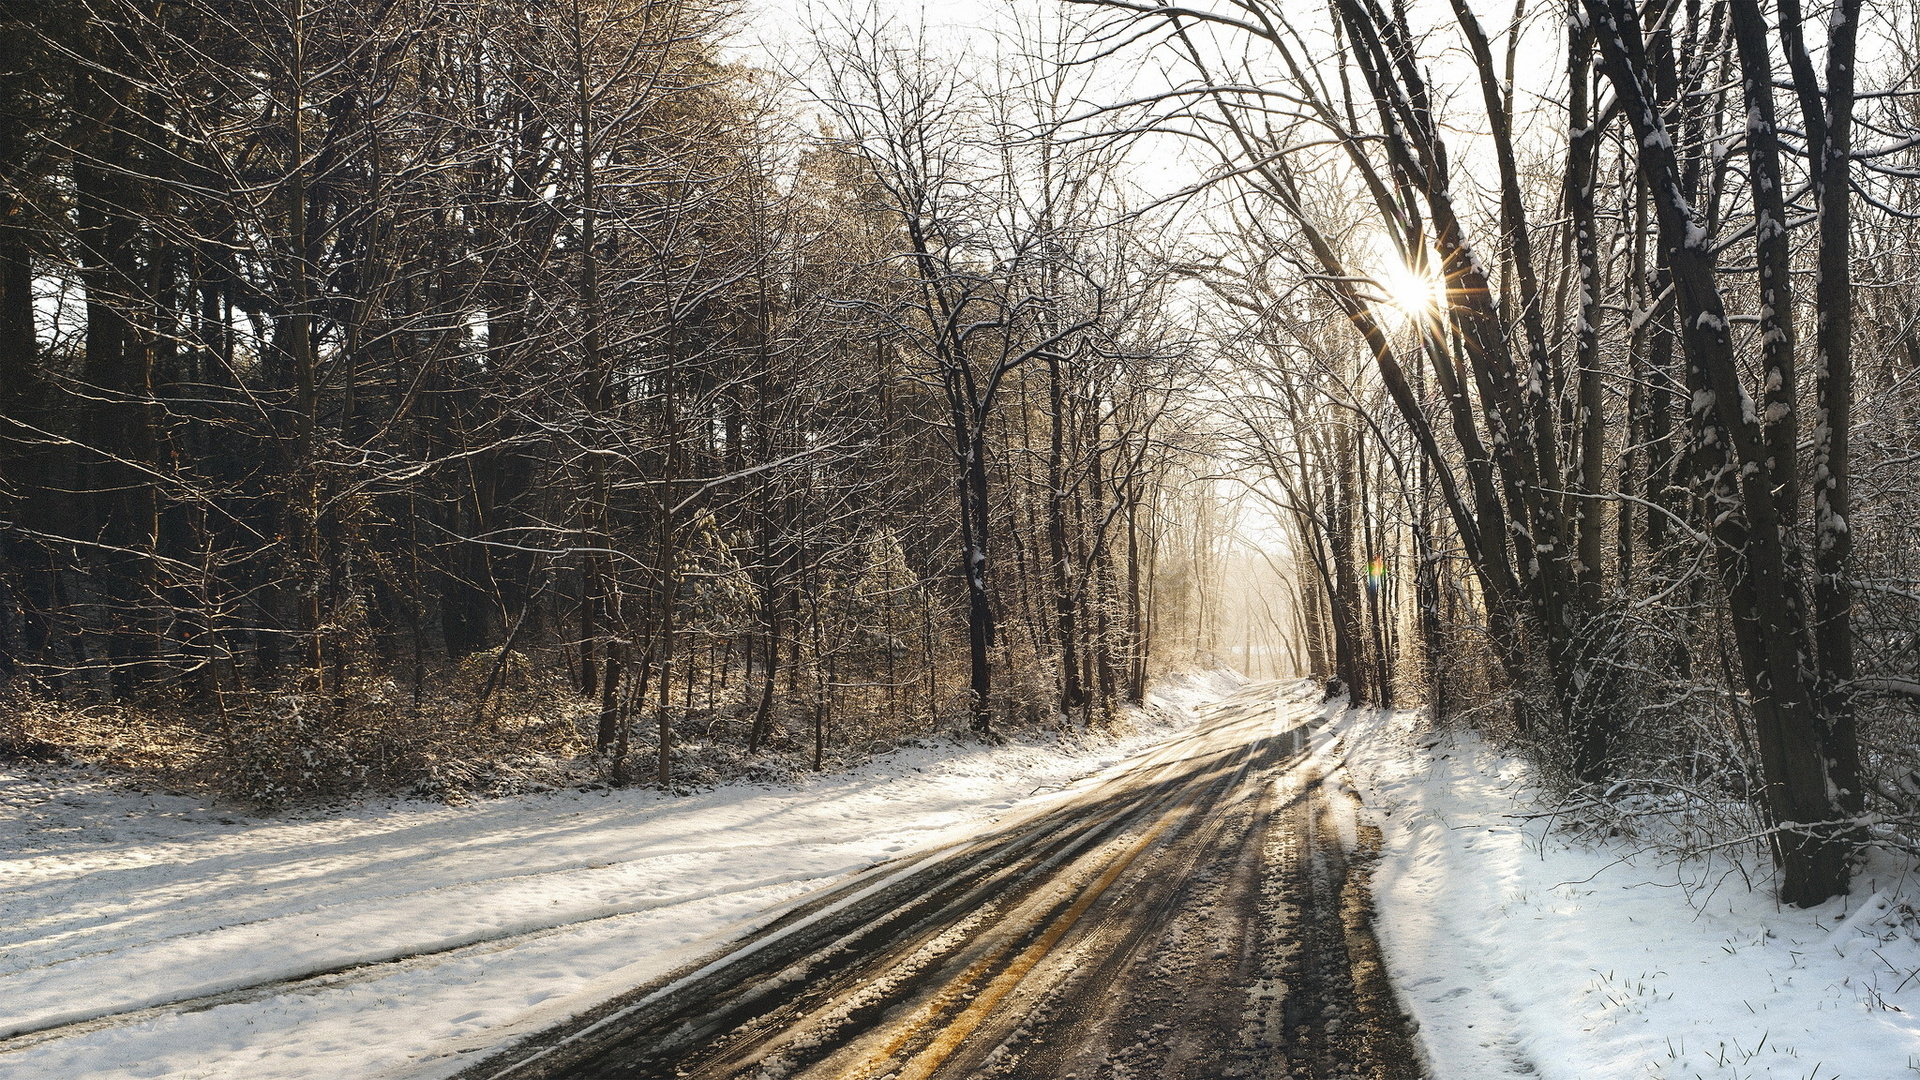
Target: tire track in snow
x=56, y=1022
x=1125, y=932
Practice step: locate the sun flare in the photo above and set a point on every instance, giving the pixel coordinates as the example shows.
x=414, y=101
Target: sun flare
x=1407, y=293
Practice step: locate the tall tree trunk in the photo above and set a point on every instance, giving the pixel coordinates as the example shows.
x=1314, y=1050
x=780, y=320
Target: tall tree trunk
x=973, y=568
x=1803, y=791
x=1065, y=607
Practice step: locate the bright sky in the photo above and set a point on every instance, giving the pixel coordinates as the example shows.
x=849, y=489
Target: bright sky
x=771, y=29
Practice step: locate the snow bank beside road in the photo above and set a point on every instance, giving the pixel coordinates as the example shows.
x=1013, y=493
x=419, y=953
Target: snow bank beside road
x=1522, y=953
x=447, y=929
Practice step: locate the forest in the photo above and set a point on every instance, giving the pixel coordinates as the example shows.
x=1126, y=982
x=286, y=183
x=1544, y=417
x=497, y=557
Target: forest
x=373, y=368
x=392, y=388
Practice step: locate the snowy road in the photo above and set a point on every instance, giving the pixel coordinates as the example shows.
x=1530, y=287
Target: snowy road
x=1192, y=915
x=145, y=934
x=151, y=935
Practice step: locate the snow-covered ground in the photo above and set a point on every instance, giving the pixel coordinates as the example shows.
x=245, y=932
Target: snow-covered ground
x=152, y=935
x=1524, y=953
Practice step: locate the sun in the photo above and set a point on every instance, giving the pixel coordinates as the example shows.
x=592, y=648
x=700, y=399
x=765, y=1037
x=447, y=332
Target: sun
x=1408, y=294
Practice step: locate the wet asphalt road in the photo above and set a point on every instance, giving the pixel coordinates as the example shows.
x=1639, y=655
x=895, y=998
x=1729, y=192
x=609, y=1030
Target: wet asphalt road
x=1193, y=916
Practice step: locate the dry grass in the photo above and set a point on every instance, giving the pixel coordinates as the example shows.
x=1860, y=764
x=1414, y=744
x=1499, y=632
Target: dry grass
x=369, y=734
x=376, y=734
